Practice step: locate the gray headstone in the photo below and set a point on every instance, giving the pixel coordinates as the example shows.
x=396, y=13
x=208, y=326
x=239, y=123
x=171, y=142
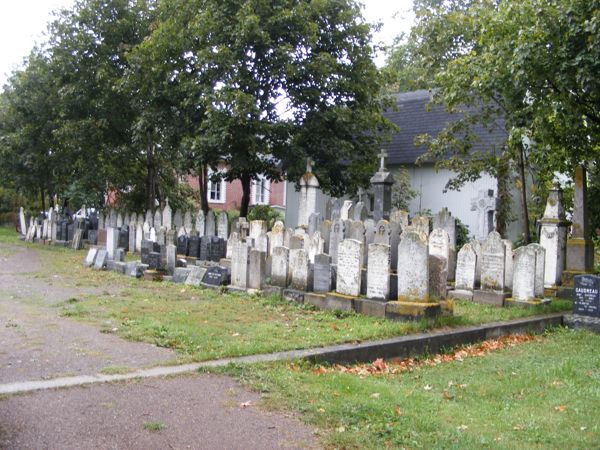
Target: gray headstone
x=167, y=216
x=485, y=204
x=413, y=267
x=300, y=269
x=378, y=271
x=257, y=269
x=277, y=235
x=280, y=273
x=210, y=225
x=349, y=263
x=171, y=258
x=112, y=242
x=465, y=268
x=90, y=257
x=438, y=277
x=200, y=223
x=223, y=225
x=101, y=259
x=239, y=265
x=347, y=209
x=493, y=263
x=314, y=223
x=195, y=276
x=336, y=236
x=322, y=281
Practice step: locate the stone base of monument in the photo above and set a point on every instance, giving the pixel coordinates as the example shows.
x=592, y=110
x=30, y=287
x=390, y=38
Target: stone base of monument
x=154, y=275
x=582, y=322
x=331, y=301
x=224, y=262
x=565, y=293
x=294, y=295
x=526, y=303
x=494, y=298
x=272, y=290
x=569, y=275
x=550, y=292
x=411, y=310
x=370, y=307
x=120, y=267
x=461, y=294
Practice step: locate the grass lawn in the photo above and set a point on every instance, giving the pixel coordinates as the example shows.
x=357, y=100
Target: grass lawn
x=541, y=394
x=201, y=324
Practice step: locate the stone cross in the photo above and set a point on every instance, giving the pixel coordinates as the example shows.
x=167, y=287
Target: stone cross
x=309, y=164
x=382, y=155
x=486, y=205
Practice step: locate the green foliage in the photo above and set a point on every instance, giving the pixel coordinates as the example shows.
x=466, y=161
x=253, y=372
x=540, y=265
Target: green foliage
x=402, y=191
x=462, y=234
x=266, y=213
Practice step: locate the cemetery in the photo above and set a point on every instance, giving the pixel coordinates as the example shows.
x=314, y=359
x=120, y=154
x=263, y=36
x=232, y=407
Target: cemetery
x=250, y=225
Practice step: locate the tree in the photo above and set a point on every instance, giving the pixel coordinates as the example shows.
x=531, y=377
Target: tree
x=530, y=67
x=272, y=83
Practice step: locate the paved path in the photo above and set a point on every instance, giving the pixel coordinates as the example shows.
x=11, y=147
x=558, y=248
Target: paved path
x=39, y=348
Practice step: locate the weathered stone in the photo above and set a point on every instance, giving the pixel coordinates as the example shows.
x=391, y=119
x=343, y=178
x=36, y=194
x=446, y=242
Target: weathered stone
x=112, y=241
x=196, y=276
x=322, y=279
x=465, y=268
x=257, y=227
x=233, y=240
x=540, y=259
x=580, y=248
x=508, y=264
x=90, y=257
x=210, y=227
x=314, y=245
x=400, y=217
x=171, y=258
x=553, y=237
x=413, y=267
x=524, y=274
x=223, y=225
x=347, y=208
x=378, y=271
x=181, y=274
x=200, y=224
x=349, y=262
x=438, y=276
x=314, y=223
x=167, y=216
x=101, y=259
x=239, y=265
x=382, y=183
x=300, y=269
x=280, y=272
x=309, y=187
x=336, y=236
x=493, y=263
x=257, y=269
x=421, y=224
x=486, y=205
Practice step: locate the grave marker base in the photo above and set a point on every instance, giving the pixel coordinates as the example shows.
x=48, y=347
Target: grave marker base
x=577, y=321
x=526, y=304
x=493, y=298
x=461, y=294
x=412, y=310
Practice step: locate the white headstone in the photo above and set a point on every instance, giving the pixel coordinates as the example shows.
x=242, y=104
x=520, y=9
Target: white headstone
x=280, y=266
x=349, y=263
x=299, y=266
x=167, y=216
x=345, y=211
x=200, y=223
x=413, y=267
x=210, y=225
x=277, y=235
x=465, y=268
x=524, y=274
x=493, y=263
x=378, y=271
x=240, y=259
x=22, y=223
x=223, y=225
x=486, y=205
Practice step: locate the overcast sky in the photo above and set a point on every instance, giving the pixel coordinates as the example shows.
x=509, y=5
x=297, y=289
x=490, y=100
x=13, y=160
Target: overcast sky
x=23, y=23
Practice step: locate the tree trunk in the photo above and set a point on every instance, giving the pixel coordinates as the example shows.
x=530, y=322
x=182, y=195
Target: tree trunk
x=504, y=211
x=43, y=198
x=150, y=178
x=246, y=180
x=203, y=188
x=526, y=233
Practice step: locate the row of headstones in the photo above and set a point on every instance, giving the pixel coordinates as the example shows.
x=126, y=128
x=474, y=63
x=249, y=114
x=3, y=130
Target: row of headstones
x=421, y=270
x=184, y=223
x=56, y=228
x=493, y=266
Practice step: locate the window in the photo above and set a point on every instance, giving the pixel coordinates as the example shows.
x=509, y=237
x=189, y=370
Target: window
x=260, y=191
x=215, y=190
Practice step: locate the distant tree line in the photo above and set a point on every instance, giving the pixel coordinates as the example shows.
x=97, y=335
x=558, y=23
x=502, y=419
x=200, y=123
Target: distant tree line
x=129, y=96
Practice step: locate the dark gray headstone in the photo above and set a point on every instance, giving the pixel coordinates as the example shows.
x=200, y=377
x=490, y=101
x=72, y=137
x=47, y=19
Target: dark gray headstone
x=93, y=236
x=194, y=246
x=154, y=261
x=180, y=274
x=586, y=295
x=182, y=245
x=322, y=273
x=216, y=276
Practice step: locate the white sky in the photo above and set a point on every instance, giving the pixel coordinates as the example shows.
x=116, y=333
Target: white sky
x=23, y=23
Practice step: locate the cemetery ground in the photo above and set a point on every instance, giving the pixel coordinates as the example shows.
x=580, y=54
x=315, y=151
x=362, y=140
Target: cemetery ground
x=541, y=393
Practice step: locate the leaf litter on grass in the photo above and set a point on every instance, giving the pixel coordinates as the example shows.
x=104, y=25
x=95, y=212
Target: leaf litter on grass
x=395, y=366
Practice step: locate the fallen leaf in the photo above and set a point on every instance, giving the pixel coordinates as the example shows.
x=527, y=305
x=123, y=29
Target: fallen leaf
x=428, y=387
x=246, y=404
x=560, y=408
x=447, y=395
x=398, y=411
x=462, y=428
x=375, y=395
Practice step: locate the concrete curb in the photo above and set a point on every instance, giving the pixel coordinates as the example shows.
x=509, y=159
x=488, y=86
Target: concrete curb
x=400, y=347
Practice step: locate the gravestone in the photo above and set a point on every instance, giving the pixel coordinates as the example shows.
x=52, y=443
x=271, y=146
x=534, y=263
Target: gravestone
x=187, y=222
x=444, y=220
x=233, y=240
x=553, y=237
x=200, y=223
x=586, y=297
x=300, y=270
x=124, y=237
x=280, y=273
x=139, y=237
x=195, y=276
x=210, y=227
x=325, y=230
x=152, y=235
x=466, y=262
x=439, y=244
x=540, y=259
x=314, y=245
x=167, y=216
x=336, y=236
x=119, y=220
x=438, y=276
x=257, y=227
x=92, y=237
x=524, y=274
x=508, y=264
x=346, y=210
x=378, y=271
x=493, y=261
x=261, y=243
x=382, y=183
x=485, y=204
x=257, y=269
x=180, y=274
x=182, y=245
x=336, y=209
x=309, y=187
x=239, y=265
x=171, y=258
x=223, y=225
x=349, y=262
x=101, y=259
x=154, y=261
x=314, y=223
x=296, y=242
x=101, y=225
x=132, y=237
x=322, y=273
x=413, y=267
x=194, y=246
x=216, y=276
x=400, y=217
x=421, y=224
x=360, y=212
x=177, y=220
x=112, y=241
x=90, y=257
x=277, y=235
x=22, y=223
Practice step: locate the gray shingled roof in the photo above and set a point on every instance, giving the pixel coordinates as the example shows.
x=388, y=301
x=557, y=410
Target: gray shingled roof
x=414, y=119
